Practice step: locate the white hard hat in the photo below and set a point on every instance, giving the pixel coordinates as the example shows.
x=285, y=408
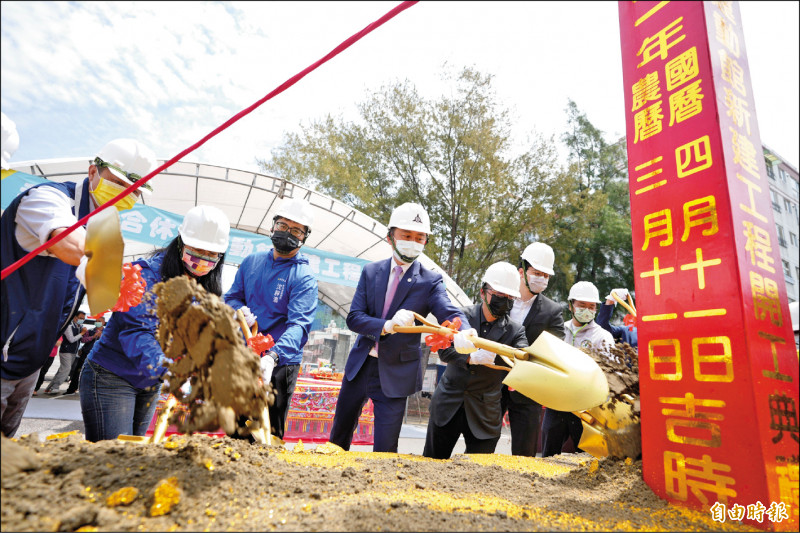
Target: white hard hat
x=412, y=217
x=10, y=139
x=584, y=291
x=205, y=227
x=128, y=160
x=540, y=256
x=297, y=210
x=503, y=277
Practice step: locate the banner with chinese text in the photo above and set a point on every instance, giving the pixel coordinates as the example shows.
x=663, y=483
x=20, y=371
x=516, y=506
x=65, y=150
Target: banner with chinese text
x=718, y=368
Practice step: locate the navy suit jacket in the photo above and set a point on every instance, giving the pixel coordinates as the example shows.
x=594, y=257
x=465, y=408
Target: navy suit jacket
x=400, y=355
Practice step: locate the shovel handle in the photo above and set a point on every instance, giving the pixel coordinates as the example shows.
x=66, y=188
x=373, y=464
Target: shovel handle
x=243, y=324
x=619, y=300
x=494, y=347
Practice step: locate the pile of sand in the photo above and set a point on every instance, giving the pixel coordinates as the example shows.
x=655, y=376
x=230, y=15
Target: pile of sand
x=229, y=484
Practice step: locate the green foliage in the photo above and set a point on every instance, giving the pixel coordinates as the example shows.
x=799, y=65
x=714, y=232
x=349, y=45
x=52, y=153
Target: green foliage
x=450, y=154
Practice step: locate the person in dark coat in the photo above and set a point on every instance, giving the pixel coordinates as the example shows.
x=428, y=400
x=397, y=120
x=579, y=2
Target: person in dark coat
x=467, y=398
x=88, y=342
x=537, y=313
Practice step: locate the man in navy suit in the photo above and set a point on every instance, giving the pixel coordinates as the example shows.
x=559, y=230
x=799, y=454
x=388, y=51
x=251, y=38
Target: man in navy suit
x=387, y=367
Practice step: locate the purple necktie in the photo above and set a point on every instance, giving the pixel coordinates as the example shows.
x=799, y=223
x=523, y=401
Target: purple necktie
x=398, y=273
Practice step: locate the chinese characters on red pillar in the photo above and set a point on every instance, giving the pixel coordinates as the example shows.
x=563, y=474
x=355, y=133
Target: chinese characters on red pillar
x=718, y=369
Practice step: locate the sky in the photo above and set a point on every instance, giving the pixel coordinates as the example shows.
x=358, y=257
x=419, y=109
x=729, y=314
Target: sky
x=75, y=75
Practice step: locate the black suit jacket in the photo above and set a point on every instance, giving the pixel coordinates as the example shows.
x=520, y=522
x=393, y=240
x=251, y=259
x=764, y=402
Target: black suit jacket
x=476, y=386
x=544, y=315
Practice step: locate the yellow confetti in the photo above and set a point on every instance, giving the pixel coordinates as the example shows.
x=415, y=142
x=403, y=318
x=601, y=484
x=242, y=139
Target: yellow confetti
x=61, y=435
x=594, y=466
x=166, y=495
x=123, y=496
x=299, y=448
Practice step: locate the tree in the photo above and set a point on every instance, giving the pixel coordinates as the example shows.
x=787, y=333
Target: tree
x=448, y=154
x=602, y=250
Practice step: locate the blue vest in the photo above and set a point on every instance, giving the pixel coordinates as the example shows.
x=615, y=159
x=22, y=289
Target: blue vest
x=39, y=298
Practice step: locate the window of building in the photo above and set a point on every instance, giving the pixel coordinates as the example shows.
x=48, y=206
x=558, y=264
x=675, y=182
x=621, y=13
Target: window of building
x=781, y=237
x=788, y=205
x=770, y=171
x=782, y=174
x=775, y=205
x=793, y=238
x=787, y=269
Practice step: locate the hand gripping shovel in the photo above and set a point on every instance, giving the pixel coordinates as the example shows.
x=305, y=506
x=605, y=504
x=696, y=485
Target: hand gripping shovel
x=550, y=371
x=262, y=435
x=105, y=248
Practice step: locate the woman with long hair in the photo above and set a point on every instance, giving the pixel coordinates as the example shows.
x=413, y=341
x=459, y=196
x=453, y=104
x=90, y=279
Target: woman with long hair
x=121, y=378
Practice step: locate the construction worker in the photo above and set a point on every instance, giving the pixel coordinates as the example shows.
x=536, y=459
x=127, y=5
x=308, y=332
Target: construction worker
x=467, y=398
x=277, y=289
x=40, y=298
x=383, y=365
x=536, y=312
x=122, y=375
x=581, y=331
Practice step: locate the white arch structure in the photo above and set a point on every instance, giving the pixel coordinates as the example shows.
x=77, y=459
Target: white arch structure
x=250, y=201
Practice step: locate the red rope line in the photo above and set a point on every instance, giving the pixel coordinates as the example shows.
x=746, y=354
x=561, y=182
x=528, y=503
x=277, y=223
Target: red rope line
x=278, y=90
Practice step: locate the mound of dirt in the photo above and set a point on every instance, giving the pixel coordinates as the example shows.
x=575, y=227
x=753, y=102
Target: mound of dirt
x=200, y=483
x=198, y=334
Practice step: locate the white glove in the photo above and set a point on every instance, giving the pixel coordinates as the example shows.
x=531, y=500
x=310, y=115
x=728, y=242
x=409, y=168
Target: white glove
x=460, y=342
x=267, y=366
x=402, y=317
x=249, y=317
x=621, y=294
x=481, y=357
x=186, y=388
x=80, y=273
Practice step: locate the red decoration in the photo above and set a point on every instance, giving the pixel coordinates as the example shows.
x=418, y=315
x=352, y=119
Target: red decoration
x=438, y=342
x=131, y=289
x=629, y=321
x=260, y=344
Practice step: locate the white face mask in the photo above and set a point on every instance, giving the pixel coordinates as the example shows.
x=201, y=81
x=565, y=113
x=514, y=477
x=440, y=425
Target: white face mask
x=409, y=249
x=537, y=283
x=583, y=315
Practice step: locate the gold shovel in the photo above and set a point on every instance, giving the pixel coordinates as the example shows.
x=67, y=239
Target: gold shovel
x=550, y=371
x=105, y=249
x=264, y=434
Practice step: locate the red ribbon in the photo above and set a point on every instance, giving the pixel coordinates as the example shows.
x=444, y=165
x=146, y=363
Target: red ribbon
x=278, y=90
x=629, y=321
x=260, y=344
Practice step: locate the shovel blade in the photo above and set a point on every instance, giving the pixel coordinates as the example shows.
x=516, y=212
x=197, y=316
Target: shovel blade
x=105, y=249
x=559, y=376
x=593, y=441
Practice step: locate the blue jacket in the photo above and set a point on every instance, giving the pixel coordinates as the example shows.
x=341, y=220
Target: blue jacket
x=400, y=355
x=283, y=294
x=39, y=298
x=620, y=333
x=128, y=346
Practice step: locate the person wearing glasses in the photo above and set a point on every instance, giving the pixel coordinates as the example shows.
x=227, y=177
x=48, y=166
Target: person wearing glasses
x=467, y=398
x=122, y=375
x=384, y=365
x=40, y=298
x=278, y=290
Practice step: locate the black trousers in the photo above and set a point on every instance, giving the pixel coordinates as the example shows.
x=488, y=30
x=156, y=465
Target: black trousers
x=524, y=417
x=440, y=440
x=284, y=380
x=75, y=374
x=43, y=372
x=352, y=397
x=557, y=427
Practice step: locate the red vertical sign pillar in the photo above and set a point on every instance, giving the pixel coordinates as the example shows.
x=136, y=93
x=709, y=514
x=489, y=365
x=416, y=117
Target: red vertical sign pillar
x=718, y=368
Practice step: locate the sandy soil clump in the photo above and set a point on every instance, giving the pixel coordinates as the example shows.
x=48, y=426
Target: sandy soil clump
x=198, y=333
x=206, y=483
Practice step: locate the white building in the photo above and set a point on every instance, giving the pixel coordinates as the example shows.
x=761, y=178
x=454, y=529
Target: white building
x=784, y=190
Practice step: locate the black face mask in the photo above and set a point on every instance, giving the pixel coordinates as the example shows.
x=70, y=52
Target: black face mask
x=285, y=242
x=500, y=307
